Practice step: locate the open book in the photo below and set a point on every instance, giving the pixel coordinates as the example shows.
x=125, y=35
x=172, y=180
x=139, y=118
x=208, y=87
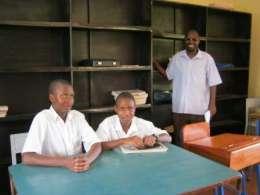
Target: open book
x=158, y=147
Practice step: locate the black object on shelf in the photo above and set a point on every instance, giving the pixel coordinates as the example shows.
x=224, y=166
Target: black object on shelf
x=99, y=62
x=162, y=97
x=222, y=66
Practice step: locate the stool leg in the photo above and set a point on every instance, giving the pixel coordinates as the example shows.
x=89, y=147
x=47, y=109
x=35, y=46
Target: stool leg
x=258, y=178
x=243, y=191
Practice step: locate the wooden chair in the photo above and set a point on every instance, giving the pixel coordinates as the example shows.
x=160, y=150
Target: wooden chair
x=250, y=124
x=17, y=141
x=195, y=131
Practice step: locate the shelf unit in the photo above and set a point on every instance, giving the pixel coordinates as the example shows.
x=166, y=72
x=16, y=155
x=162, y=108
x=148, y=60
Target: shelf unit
x=45, y=40
x=225, y=35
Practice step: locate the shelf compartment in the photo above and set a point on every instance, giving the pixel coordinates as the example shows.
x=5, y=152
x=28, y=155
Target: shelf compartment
x=18, y=90
x=112, y=68
x=102, y=83
x=112, y=12
x=23, y=47
x=233, y=53
x=106, y=44
x=221, y=23
x=35, y=24
x=230, y=110
x=233, y=82
x=30, y=10
x=177, y=18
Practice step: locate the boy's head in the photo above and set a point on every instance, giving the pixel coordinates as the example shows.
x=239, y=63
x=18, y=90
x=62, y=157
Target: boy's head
x=61, y=96
x=125, y=107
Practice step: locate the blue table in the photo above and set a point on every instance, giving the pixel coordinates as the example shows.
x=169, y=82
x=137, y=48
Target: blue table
x=173, y=172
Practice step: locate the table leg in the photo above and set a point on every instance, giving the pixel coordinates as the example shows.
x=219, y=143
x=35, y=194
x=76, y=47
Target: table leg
x=219, y=190
x=243, y=183
x=258, y=178
x=257, y=128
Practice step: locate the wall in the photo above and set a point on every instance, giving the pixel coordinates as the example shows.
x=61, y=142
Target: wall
x=251, y=6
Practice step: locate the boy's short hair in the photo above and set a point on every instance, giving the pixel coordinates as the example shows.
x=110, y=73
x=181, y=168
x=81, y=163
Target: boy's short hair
x=55, y=83
x=125, y=95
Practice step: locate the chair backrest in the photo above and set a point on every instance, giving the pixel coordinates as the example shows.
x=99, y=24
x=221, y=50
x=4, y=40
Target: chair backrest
x=17, y=141
x=194, y=131
x=251, y=104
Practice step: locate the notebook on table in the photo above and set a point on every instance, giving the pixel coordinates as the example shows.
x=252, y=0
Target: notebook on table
x=158, y=147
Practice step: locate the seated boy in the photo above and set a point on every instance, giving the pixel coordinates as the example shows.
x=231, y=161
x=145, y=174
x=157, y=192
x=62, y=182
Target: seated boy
x=125, y=128
x=56, y=134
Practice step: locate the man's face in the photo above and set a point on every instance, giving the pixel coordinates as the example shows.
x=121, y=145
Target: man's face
x=62, y=99
x=125, y=109
x=192, y=42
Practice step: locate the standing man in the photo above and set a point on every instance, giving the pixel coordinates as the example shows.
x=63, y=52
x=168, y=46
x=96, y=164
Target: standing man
x=194, y=79
x=56, y=134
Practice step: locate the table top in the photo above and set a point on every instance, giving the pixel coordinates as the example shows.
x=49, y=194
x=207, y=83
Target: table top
x=173, y=172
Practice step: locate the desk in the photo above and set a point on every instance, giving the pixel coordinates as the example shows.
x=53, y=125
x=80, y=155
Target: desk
x=233, y=150
x=176, y=171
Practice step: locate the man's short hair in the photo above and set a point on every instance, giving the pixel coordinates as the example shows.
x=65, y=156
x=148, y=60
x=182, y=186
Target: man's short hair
x=191, y=30
x=56, y=83
x=125, y=95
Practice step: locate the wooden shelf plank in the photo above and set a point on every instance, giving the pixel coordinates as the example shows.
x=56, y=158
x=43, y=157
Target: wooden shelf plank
x=159, y=34
x=111, y=68
x=234, y=69
x=231, y=97
x=110, y=109
x=35, y=24
x=223, y=39
x=35, y=69
x=79, y=25
x=166, y=35
x=17, y=117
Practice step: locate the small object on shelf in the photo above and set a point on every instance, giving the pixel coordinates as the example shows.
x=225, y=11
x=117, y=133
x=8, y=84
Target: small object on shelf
x=3, y=111
x=222, y=66
x=162, y=97
x=99, y=62
x=140, y=96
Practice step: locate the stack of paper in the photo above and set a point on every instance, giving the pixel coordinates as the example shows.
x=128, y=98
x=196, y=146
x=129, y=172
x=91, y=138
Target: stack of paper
x=140, y=96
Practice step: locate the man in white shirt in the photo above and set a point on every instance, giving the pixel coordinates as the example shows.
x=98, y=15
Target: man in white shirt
x=194, y=79
x=125, y=128
x=56, y=135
